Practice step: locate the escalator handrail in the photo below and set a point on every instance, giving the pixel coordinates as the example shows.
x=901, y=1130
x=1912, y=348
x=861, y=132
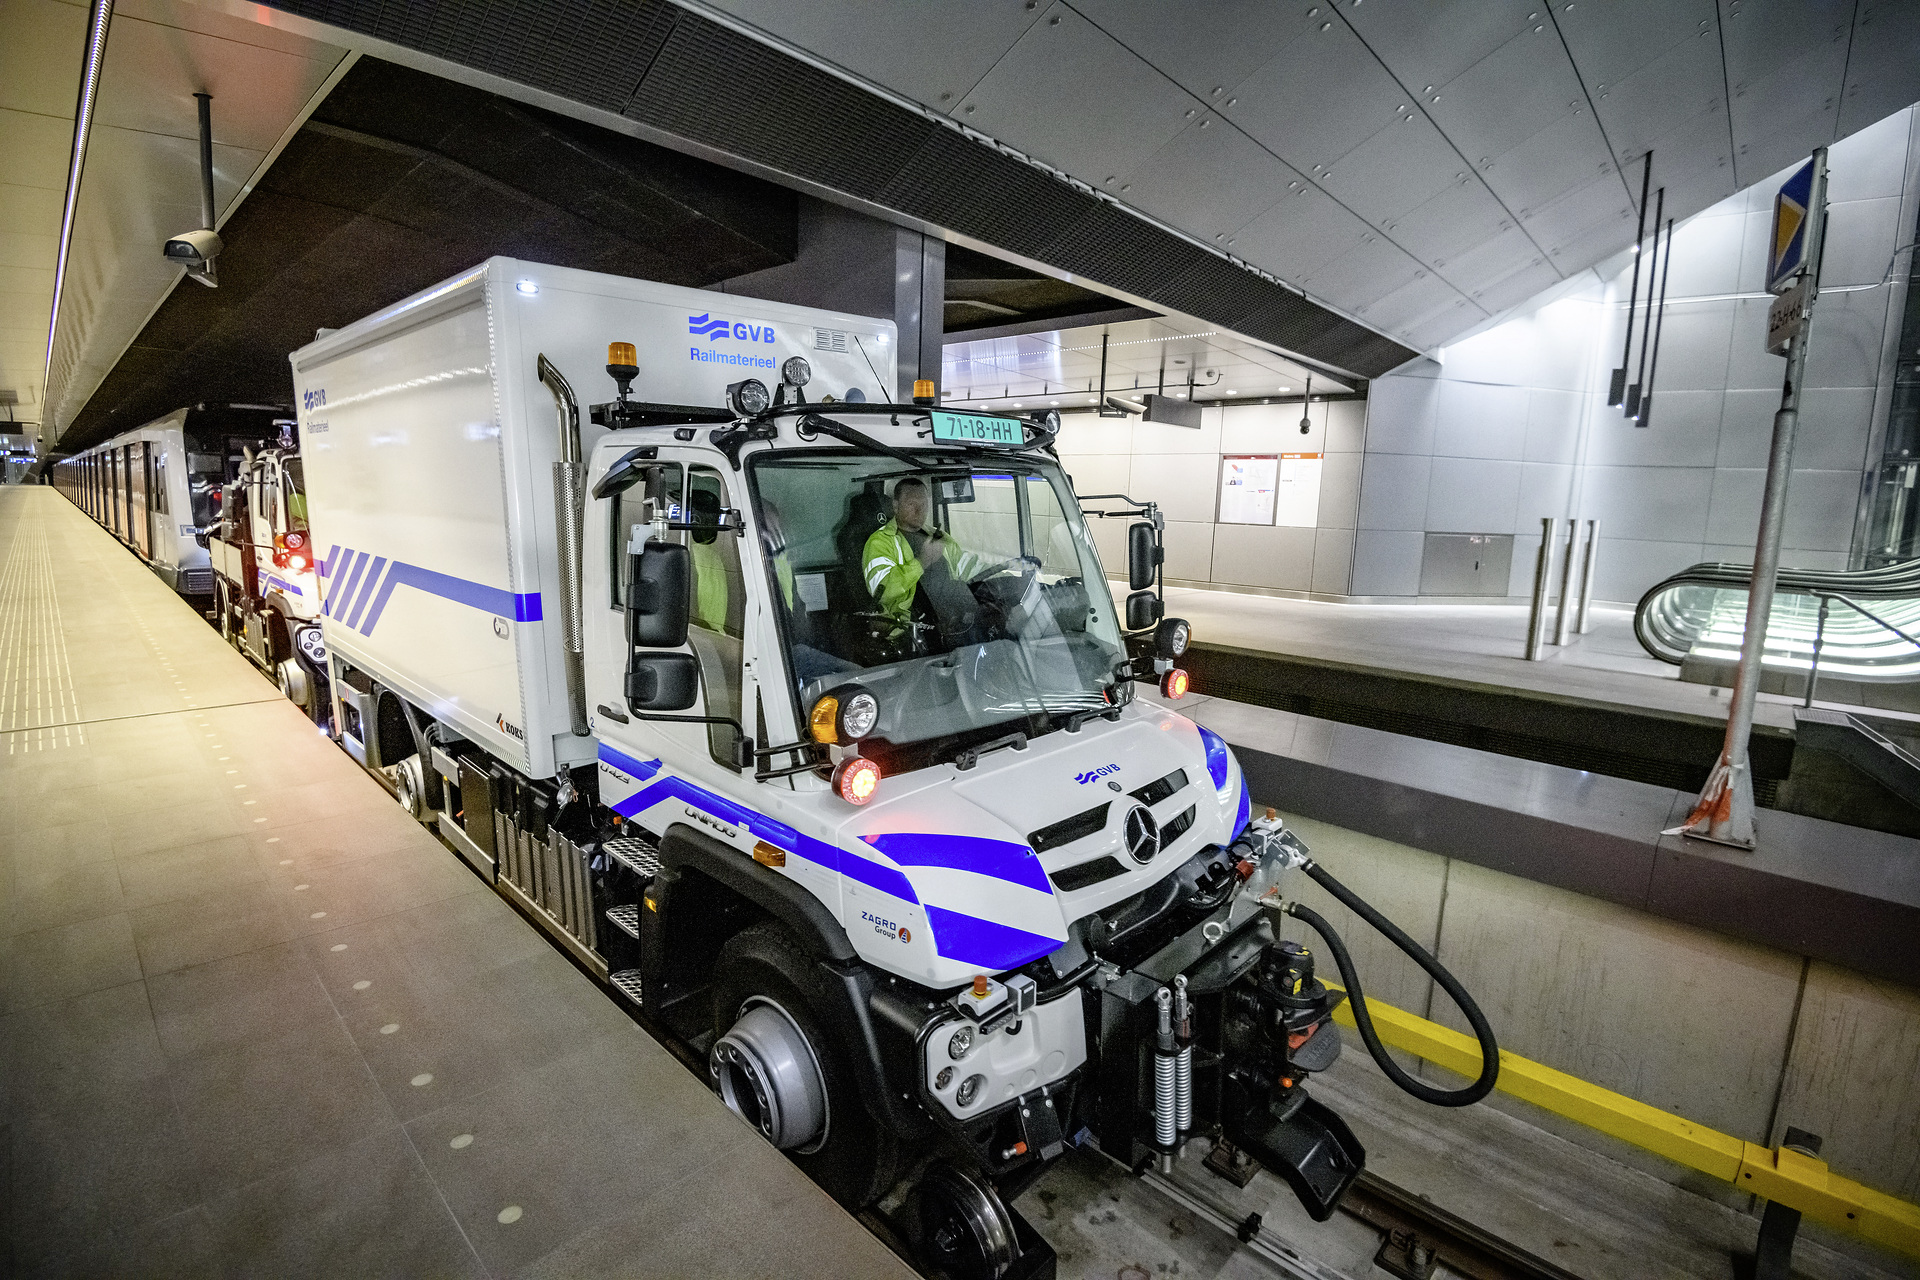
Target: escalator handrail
x=1901, y=579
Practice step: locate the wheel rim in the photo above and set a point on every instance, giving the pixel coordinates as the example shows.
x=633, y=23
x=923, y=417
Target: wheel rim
x=768, y=1074
x=961, y=1226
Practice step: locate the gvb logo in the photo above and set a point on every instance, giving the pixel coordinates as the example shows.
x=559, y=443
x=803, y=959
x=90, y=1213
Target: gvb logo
x=1084, y=778
x=710, y=328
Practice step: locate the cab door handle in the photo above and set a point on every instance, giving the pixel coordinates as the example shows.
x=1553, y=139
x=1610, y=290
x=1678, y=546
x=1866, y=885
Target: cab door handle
x=611, y=714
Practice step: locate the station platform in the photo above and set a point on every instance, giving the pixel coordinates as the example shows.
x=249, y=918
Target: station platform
x=256, y=1021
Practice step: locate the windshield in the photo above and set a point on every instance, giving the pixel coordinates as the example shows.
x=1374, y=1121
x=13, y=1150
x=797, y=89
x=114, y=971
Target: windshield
x=957, y=592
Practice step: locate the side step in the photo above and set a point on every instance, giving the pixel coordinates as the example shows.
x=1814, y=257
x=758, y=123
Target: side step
x=642, y=857
x=627, y=982
x=625, y=918
x=1862, y=746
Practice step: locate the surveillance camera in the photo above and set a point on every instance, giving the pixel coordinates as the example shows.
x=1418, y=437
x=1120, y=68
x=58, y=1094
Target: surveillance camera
x=1125, y=406
x=193, y=248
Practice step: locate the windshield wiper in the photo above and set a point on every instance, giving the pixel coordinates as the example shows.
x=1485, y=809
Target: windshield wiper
x=813, y=424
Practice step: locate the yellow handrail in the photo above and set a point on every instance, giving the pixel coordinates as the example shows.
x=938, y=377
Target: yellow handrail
x=1777, y=1174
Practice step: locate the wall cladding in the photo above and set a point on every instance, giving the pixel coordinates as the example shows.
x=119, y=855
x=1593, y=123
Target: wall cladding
x=1510, y=425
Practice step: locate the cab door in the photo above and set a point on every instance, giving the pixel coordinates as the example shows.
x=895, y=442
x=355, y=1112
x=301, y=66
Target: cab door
x=688, y=490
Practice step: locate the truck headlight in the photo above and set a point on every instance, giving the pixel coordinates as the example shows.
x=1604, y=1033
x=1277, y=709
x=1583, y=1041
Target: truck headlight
x=796, y=372
x=848, y=714
x=748, y=397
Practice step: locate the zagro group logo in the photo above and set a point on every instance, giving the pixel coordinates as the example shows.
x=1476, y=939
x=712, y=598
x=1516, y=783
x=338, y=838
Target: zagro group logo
x=710, y=328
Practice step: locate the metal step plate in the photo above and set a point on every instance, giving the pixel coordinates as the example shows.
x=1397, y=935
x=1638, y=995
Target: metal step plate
x=628, y=983
x=626, y=918
x=642, y=857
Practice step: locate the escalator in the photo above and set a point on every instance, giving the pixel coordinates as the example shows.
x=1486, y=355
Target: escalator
x=1700, y=614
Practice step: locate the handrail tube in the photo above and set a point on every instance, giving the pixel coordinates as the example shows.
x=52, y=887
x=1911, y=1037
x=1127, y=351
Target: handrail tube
x=1820, y=632
x=1542, y=565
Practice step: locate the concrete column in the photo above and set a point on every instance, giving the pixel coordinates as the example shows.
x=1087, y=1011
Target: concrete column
x=850, y=262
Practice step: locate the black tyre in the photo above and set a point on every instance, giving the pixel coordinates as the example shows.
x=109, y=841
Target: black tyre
x=857, y=1161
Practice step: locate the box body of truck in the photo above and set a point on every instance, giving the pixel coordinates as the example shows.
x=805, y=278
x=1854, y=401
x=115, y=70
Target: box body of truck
x=430, y=441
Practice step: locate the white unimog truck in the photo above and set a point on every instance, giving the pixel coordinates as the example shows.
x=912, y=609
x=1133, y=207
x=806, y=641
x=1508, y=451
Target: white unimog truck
x=807, y=719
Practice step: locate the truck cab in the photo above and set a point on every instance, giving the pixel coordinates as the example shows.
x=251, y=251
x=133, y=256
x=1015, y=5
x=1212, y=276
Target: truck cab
x=266, y=589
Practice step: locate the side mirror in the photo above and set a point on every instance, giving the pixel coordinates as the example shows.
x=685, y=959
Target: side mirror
x=1142, y=559
x=662, y=681
x=1143, y=609
x=657, y=600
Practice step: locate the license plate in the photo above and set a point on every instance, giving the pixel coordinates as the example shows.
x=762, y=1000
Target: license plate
x=977, y=428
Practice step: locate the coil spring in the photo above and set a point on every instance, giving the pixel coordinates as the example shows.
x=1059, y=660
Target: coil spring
x=1166, y=1129
x=1183, y=1089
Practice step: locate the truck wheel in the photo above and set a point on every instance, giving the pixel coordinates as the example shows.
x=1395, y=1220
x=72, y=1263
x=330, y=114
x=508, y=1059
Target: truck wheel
x=295, y=686
x=775, y=1065
x=410, y=787
x=959, y=1226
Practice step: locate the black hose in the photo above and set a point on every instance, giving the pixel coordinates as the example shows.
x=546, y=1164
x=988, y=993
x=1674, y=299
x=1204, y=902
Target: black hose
x=1489, y=1050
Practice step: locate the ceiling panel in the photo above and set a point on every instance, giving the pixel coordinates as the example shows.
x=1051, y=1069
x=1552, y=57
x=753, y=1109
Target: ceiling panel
x=1882, y=56
x=1412, y=303
x=1399, y=168
x=1303, y=229
x=1449, y=322
x=153, y=73
x=1490, y=259
x=1431, y=43
x=1677, y=86
x=1211, y=179
x=1034, y=99
x=1765, y=40
x=36, y=149
x=31, y=79
x=1695, y=164
x=1461, y=216
x=1193, y=53
x=1600, y=208
x=1518, y=286
x=935, y=58
x=1362, y=275
x=1514, y=92
x=1570, y=153
x=1610, y=42
x=1321, y=97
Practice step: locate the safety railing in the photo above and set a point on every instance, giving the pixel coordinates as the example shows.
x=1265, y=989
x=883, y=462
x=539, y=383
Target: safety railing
x=1542, y=578
x=1820, y=634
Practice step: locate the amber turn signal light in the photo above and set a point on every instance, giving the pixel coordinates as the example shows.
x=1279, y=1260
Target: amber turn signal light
x=823, y=722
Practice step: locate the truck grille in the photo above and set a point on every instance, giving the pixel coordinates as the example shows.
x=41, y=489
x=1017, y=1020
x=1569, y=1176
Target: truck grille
x=197, y=582
x=1067, y=830
x=1085, y=874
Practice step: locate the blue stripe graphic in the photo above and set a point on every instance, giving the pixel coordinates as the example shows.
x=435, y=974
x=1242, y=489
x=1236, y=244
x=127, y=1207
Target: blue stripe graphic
x=1246, y=809
x=286, y=586
x=1000, y=859
x=627, y=764
x=325, y=567
x=1217, y=758
x=672, y=787
x=971, y=940
x=353, y=576
x=523, y=607
x=366, y=590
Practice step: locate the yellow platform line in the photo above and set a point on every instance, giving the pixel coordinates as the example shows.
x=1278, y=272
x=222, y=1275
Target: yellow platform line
x=1782, y=1176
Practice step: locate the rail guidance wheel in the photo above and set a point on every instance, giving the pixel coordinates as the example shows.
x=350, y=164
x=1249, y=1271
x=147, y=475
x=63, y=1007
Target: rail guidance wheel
x=772, y=1052
x=959, y=1226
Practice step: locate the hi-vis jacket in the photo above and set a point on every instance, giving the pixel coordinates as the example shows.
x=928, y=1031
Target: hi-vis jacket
x=892, y=571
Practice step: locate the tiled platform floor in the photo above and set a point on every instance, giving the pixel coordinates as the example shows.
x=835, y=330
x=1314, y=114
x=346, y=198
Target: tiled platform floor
x=254, y=1021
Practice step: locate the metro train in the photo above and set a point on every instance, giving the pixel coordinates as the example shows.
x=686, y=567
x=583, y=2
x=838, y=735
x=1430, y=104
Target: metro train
x=155, y=488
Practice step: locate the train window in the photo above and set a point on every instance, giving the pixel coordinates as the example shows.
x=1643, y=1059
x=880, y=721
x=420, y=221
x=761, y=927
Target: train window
x=296, y=483
x=158, y=498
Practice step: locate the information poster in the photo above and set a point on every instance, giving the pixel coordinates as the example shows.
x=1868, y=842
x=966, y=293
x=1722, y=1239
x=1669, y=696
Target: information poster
x=1296, y=502
x=1247, y=488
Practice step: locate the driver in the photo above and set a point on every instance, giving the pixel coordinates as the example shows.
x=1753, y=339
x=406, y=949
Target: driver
x=903, y=551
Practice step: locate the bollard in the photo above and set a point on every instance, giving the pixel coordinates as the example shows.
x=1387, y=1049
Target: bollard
x=1560, y=618
x=1542, y=565
x=1582, y=626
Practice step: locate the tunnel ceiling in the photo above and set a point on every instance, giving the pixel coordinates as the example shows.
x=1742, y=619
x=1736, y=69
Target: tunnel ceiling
x=401, y=179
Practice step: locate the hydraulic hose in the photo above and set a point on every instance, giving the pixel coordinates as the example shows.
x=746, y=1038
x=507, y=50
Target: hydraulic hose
x=1489, y=1050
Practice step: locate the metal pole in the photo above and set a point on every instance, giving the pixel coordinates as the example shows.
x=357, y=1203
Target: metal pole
x=1566, y=584
x=1581, y=625
x=1646, y=333
x=1617, y=386
x=1724, y=813
x=1660, y=327
x=1542, y=566
x=206, y=159
x=1819, y=638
